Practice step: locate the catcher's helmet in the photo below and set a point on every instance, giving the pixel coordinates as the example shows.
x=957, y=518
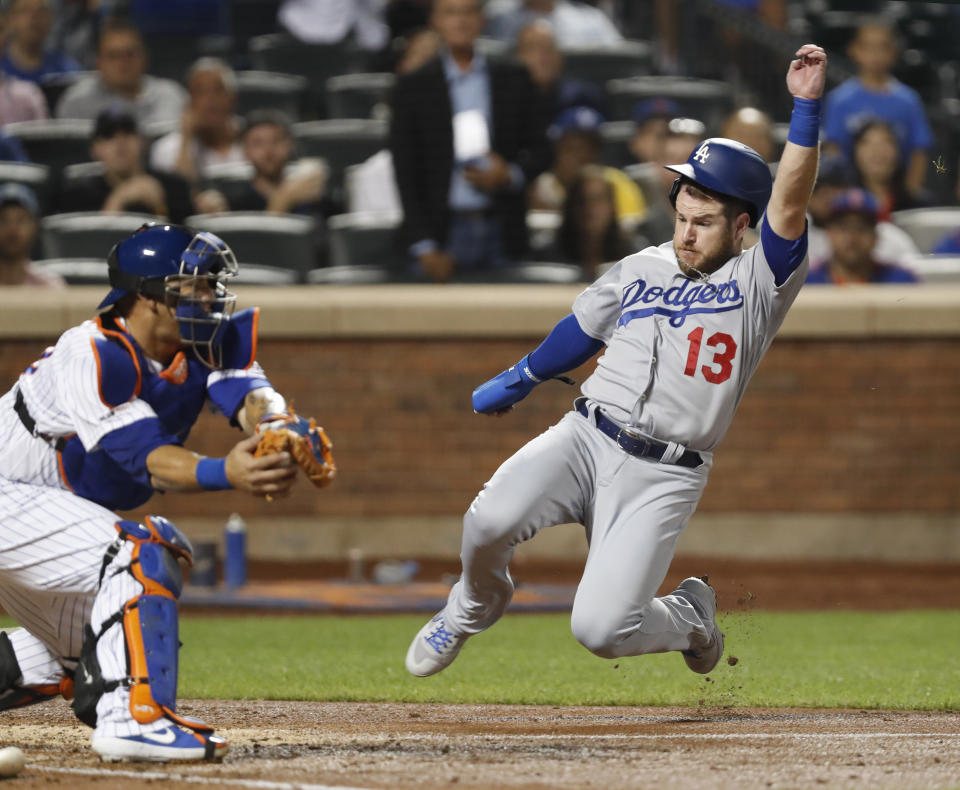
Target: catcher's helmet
x=730, y=168
x=185, y=269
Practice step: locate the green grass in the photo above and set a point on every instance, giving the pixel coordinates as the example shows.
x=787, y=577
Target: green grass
x=840, y=659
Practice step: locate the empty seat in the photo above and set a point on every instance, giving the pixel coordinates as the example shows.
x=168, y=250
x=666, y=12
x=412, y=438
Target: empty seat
x=37, y=177
x=937, y=268
x=707, y=100
x=350, y=275
x=257, y=90
x=75, y=175
x=256, y=274
x=601, y=64
x=927, y=226
x=317, y=62
x=359, y=95
x=78, y=271
x=283, y=241
x=365, y=239
x=542, y=228
x=56, y=142
x=616, y=137
x=55, y=85
x=557, y=273
x=342, y=142
x=172, y=55
x=86, y=234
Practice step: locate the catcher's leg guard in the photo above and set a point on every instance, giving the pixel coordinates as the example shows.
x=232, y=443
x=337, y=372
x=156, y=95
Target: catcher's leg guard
x=15, y=695
x=149, y=621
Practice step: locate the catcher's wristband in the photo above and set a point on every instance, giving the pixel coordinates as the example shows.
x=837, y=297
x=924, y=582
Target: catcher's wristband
x=212, y=474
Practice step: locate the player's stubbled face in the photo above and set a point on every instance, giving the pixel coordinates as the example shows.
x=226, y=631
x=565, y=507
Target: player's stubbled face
x=703, y=237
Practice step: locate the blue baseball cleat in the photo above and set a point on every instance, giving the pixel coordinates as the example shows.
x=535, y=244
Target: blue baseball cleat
x=164, y=745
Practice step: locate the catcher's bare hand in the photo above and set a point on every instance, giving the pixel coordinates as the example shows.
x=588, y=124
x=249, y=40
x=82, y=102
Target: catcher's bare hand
x=267, y=475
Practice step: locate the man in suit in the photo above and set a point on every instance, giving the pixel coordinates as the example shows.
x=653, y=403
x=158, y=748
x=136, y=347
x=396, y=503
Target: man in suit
x=467, y=137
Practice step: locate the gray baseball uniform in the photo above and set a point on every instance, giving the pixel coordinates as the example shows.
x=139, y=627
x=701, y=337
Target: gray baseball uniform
x=679, y=353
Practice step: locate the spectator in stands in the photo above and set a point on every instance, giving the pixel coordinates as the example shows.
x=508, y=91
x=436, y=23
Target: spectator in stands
x=752, y=127
x=20, y=101
x=575, y=135
x=874, y=93
x=18, y=233
x=590, y=234
x=537, y=49
x=683, y=134
x=466, y=138
x=11, y=150
x=209, y=132
x=333, y=21
x=269, y=146
x=876, y=159
x=121, y=81
x=25, y=52
x=650, y=119
x=575, y=24
x=125, y=185
x=371, y=186
x=403, y=17
x=834, y=177
x=852, y=229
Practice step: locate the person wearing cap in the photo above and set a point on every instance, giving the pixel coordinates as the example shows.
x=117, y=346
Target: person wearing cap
x=19, y=212
x=121, y=79
x=650, y=118
x=852, y=230
x=125, y=184
x=575, y=135
x=835, y=176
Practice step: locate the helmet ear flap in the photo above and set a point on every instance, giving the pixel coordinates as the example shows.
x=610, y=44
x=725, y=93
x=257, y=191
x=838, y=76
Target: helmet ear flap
x=675, y=190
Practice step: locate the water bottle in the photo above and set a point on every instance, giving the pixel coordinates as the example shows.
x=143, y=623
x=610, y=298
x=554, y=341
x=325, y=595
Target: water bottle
x=235, y=555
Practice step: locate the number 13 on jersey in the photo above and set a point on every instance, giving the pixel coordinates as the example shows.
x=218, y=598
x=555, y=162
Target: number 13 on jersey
x=718, y=369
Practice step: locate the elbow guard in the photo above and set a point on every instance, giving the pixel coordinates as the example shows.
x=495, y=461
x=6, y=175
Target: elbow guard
x=502, y=391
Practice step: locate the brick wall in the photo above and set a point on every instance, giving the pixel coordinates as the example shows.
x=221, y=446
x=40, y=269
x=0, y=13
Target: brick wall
x=826, y=426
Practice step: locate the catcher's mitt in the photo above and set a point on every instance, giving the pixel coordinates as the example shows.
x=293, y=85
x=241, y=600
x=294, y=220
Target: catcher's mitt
x=303, y=439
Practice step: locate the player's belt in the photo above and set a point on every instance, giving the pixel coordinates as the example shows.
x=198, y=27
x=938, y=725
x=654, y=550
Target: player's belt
x=56, y=442
x=631, y=443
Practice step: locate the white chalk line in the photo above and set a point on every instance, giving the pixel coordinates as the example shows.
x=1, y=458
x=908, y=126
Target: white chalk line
x=259, y=784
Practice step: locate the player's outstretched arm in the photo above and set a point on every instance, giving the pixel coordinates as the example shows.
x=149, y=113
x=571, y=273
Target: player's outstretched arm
x=174, y=468
x=797, y=170
x=565, y=348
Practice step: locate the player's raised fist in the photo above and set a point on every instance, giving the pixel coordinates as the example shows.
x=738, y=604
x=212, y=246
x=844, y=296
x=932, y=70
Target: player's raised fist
x=808, y=72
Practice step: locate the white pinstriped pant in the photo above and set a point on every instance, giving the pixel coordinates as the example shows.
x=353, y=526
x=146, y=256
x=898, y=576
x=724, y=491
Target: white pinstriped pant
x=52, y=544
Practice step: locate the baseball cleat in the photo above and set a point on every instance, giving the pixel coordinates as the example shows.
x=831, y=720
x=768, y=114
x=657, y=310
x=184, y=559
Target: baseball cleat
x=20, y=696
x=160, y=746
x=433, y=648
x=704, y=654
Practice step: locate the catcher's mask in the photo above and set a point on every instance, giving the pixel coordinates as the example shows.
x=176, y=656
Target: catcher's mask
x=185, y=269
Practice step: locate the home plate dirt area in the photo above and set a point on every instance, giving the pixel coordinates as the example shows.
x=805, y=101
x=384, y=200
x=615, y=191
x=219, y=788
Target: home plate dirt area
x=326, y=746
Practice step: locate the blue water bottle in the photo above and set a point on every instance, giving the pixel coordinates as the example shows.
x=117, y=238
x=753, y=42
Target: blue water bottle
x=235, y=556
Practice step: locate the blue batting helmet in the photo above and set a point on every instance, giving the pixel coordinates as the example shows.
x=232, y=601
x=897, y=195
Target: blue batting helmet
x=729, y=168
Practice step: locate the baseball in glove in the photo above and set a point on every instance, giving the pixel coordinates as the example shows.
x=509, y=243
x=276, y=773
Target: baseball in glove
x=303, y=439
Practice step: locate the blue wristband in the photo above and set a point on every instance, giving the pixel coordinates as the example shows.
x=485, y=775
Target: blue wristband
x=805, y=123
x=212, y=474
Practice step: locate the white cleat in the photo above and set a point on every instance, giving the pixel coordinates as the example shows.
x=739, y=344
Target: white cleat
x=433, y=648
x=169, y=744
x=705, y=654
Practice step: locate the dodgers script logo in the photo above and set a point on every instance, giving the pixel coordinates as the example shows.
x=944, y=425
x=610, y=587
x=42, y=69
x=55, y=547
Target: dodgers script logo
x=679, y=301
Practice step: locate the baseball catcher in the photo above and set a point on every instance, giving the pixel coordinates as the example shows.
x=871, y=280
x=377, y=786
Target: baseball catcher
x=99, y=423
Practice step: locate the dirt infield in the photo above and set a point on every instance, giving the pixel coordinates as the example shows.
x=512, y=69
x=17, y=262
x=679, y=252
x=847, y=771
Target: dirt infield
x=318, y=746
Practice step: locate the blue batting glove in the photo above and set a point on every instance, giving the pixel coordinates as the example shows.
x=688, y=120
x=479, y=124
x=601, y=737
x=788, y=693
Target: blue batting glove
x=509, y=387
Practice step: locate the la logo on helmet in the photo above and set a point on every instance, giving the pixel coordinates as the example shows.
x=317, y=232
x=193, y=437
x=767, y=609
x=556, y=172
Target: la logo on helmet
x=702, y=154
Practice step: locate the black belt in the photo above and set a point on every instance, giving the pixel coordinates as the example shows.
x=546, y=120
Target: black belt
x=56, y=442
x=631, y=443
